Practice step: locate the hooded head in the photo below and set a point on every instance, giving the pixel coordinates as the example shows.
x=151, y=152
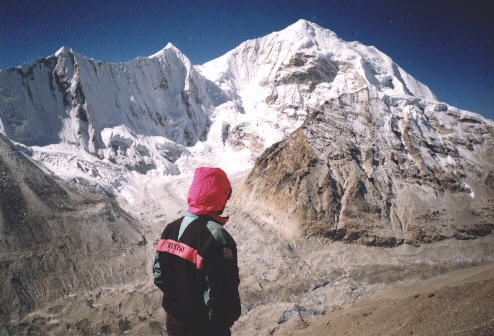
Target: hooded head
x=209, y=192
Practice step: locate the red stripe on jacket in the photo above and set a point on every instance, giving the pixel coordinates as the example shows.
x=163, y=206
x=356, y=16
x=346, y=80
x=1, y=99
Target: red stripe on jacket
x=180, y=250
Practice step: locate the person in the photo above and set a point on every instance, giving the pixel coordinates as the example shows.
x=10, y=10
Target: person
x=196, y=262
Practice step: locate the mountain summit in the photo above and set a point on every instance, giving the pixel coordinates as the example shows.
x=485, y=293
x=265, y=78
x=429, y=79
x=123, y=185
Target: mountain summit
x=281, y=57
x=377, y=160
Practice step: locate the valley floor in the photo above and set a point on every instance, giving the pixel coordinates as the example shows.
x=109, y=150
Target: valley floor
x=296, y=287
x=456, y=303
x=459, y=303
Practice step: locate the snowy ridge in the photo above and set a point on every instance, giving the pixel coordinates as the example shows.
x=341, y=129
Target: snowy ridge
x=265, y=60
x=106, y=108
x=160, y=115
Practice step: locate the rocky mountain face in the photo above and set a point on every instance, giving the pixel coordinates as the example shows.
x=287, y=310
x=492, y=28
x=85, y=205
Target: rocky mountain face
x=380, y=172
x=378, y=160
x=56, y=239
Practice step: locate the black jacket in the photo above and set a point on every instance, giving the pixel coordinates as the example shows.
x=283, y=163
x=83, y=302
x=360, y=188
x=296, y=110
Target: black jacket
x=196, y=268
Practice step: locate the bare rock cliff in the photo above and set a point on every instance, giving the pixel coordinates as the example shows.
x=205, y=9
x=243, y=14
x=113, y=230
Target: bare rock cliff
x=379, y=172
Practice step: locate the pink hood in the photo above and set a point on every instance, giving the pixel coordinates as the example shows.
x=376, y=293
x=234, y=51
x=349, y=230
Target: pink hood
x=208, y=193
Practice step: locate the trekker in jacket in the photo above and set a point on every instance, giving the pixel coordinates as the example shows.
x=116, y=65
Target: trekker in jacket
x=196, y=262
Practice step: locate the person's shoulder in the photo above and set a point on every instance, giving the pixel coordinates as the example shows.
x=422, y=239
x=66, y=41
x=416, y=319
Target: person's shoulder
x=173, y=225
x=219, y=233
x=176, y=222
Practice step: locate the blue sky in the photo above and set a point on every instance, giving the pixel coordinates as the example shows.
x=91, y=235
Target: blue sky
x=446, y=44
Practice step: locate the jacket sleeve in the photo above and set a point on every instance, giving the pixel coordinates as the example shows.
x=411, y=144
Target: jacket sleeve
x=158, y=267
x=158, y=272
x=223, y=300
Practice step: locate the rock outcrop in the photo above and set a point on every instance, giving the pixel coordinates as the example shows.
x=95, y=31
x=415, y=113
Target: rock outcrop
x=379, y=172
x=55, y=239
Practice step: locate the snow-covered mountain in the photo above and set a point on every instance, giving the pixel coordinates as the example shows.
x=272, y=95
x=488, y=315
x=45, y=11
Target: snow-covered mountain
x=278, y=78
x=121, y=124
x=306, y=58
x=341, y=144
x=137, y=114
x=159, y=114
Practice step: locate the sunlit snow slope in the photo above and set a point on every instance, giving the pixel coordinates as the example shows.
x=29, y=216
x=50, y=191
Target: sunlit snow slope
x=136, y=114
x=161, y=116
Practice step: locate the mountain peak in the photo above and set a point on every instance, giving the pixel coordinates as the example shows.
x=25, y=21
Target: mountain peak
x=307, y=28
x=304, y=24
x=63, y=50
x=169, y=47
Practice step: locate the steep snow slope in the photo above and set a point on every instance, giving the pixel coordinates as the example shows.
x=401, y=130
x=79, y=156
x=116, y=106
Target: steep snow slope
x=279, y=77
x=273, y=82
x=135, y=114
x=306, y=53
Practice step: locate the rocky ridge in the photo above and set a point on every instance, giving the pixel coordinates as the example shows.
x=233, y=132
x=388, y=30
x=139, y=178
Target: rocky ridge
x=380, y=172
x=51, y=233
